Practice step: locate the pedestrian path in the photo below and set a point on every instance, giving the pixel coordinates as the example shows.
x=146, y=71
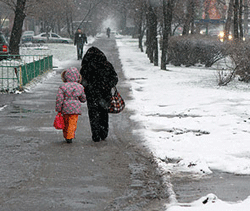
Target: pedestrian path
x=39, y=171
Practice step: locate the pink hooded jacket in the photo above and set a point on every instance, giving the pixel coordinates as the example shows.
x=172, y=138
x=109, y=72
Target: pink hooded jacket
x=71, y=93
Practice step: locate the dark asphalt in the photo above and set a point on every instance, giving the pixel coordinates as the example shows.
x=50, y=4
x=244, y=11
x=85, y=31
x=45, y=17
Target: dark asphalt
x=39, y=171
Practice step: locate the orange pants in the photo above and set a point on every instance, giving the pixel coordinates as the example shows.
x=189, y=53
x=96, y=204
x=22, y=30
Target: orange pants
x=70, y=121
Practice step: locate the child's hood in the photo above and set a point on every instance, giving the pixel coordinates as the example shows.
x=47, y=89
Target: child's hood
x=71, y=75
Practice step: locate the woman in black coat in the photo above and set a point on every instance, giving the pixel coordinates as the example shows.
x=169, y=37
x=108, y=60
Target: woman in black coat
x=99, y=77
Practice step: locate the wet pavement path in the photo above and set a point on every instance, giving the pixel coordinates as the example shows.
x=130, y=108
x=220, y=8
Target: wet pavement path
x=39, y=171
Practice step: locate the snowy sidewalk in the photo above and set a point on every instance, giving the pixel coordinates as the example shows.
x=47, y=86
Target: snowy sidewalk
x=39, y=171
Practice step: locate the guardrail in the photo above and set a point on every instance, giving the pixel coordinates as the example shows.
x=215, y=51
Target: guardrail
x=18, y=70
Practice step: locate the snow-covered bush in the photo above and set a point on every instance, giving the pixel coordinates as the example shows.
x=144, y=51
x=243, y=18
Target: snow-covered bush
x=240, y=53
x=239, y=64
x=194, y=49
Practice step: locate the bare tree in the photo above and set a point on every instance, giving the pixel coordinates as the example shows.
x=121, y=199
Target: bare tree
x=229, y=19
x=240, y=19
x=69, y=14
x=189, y=18
x=138, y=12
x=53, y=15
x=141, y=27
x=246, y=13
x=238, y=25
x=91, y=7
x=236, y=19
x=19, y=8
x=178, y=14
x=152, y=42
x=167, y=21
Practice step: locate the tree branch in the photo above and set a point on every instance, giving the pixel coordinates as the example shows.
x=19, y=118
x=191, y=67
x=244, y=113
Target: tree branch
x=89, y=11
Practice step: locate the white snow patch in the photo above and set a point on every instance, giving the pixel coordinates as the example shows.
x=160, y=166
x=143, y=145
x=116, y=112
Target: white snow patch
x=188, y=120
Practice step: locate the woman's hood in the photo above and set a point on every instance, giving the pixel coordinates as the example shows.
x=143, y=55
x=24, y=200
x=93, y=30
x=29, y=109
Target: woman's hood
x=71, y=75
x=94, y=54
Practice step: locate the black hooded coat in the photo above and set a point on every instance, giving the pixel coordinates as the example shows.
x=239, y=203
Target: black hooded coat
x=98, y=78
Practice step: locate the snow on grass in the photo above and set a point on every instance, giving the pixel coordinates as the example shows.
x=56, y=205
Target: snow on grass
x=63, y=55
x=212, y=203
x=186, y=116
x=188, y=119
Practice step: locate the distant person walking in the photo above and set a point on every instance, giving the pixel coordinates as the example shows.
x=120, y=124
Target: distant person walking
x=68, y=101
x=80, y=40
x=99, y=77
x=108, y=32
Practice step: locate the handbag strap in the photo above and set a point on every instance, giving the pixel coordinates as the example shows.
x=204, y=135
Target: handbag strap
x=115, y=90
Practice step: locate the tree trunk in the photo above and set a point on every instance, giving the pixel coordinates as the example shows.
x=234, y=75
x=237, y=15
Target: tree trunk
x=123, y=23
x=155, y=40
x=167, y=21
x=229, y=19
x=240, y=20
x=236, y=19
x=164, y=38
x=207, y=14
x=68, y=24
x=141, y=34
x=147, y=38
x=189, y=17
x=149, y=50
x=16, y=32
x=192, y=11
x=140, y=31
x=152, y=44
x=72, y=26
x=245, y=17
x=1, y=22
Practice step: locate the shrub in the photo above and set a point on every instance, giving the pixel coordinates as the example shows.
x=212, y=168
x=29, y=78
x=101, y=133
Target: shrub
x=198, y=49
x=194, y=49
x=240, y=53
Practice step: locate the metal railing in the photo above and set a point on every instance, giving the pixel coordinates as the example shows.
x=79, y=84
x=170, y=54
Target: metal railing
x=18, y=70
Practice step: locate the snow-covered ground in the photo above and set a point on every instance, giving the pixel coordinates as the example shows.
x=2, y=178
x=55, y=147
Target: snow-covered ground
x=189, y=121
x=63, y=54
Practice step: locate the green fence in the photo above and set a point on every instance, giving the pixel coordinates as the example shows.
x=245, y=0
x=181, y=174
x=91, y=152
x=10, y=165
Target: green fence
x=17, y=71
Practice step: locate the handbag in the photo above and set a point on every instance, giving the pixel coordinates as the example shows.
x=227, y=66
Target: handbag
x=117, y=103
x=59, y=122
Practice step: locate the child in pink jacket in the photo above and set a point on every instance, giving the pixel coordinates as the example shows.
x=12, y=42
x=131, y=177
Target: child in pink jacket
x=68, y=101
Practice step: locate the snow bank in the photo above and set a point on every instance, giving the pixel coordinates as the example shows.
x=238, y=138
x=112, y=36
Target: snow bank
x=189, y=123
x=186, y=117
x=212, y=203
